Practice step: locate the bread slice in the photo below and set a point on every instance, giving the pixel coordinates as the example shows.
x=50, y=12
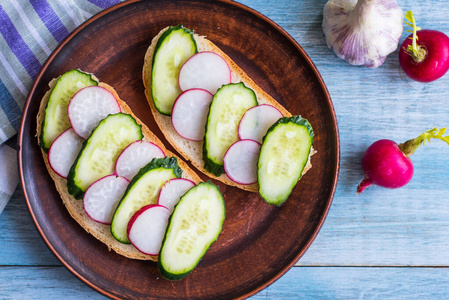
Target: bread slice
x=75, y=207
x=191, y=150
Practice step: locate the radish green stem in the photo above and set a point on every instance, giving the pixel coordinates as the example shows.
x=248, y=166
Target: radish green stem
x=410, y=146
x=416, y=52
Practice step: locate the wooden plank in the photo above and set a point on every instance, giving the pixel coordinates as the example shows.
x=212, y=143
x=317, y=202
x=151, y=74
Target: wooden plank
x=298, y=283
x=20, y=242
x=384, y=231
x=359, y=283
x=43, y=283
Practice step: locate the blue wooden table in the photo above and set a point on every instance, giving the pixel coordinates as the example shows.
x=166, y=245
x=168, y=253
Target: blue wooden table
x=381, y=244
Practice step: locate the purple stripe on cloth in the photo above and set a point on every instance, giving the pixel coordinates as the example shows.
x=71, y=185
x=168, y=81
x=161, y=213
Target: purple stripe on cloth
x=18, y=45
x=50, y=19
x=104, y=3
x=10, y=107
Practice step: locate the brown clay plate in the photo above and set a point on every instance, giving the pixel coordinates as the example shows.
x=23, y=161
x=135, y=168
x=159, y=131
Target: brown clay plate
x=259, y=243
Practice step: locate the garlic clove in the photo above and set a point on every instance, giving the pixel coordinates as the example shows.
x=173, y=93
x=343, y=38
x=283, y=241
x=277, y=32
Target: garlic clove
x=363, y=32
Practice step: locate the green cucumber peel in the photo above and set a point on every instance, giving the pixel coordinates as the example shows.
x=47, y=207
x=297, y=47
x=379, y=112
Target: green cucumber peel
x=179, y=273
x=210, y=165
x=44, y=141
x=294, y=119
x=168, y=32
x=278, y=174
x=73, y=188
x=122, y=210
x=156, y=163
x=156, y=101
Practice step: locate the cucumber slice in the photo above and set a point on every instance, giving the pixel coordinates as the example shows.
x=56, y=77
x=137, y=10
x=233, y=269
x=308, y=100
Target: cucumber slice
x=283, y=156
x=194, y=225
x=99, y=153
x=56, y=119
x=173, y=48
x=143, y=190
x=228, y=106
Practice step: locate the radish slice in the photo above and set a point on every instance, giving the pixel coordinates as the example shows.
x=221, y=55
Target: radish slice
x=240, y=161
x=103, y=196
x=256, y=121
x=88, y=107
x=146, y=228
x=206, y=70
x=63, y=152
x=172, y=191
x=189, y=114
x=135, y=156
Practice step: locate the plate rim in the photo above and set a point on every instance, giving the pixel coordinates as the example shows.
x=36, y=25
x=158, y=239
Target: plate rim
x=238, y=5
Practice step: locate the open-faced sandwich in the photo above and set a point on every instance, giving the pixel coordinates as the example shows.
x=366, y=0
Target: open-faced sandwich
x=119, y=182
x=217, y=117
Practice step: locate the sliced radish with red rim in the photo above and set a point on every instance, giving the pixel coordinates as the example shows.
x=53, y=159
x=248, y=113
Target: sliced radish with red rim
x=205, y=70
x=63, y=152
x=146, y=228
x=189, y=114
x=172, y=191
x=135, y=156
x=88, y=107
x=103, y=196
x=257, y=120
x=240, y=161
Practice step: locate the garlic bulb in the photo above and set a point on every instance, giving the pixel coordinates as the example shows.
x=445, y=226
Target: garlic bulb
x=362, y=32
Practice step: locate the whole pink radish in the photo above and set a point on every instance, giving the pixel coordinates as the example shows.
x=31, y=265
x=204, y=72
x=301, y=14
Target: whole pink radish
x=424, y=54
x=388, y=164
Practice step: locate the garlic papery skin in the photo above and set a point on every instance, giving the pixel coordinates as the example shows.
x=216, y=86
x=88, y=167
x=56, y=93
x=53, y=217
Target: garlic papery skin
x=363, y=32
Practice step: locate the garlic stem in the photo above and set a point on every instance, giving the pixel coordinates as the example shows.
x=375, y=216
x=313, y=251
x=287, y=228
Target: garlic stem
x=363, y=8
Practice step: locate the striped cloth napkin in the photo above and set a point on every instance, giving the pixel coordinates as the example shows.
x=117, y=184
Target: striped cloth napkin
x=29, y=31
